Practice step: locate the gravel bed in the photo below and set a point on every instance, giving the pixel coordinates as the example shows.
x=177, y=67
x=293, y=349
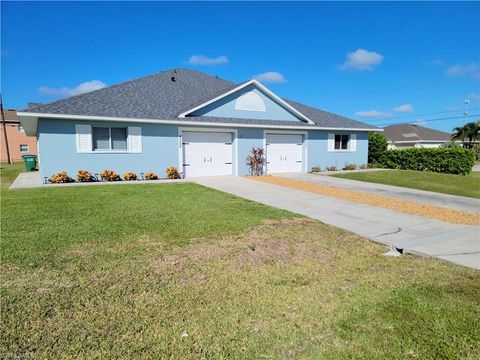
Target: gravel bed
x=395, y=204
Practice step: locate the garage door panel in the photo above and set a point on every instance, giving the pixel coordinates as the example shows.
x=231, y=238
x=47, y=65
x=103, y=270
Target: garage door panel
x=207, y=153
x=284, y=153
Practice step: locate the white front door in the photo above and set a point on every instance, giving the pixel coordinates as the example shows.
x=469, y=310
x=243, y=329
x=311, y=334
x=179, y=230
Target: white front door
x=207, y=153
x=284, y=153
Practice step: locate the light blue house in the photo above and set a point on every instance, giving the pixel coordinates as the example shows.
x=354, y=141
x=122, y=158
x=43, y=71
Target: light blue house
x=198, y=123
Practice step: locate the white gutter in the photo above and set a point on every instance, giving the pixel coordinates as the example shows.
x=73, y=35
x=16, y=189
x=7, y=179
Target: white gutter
x=420, y=141
x=29, y=121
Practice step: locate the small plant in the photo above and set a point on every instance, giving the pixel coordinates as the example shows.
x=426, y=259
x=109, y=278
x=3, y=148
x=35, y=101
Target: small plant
x=84, y=176
x=172, y=173
x=129, y=176
x=255, y=161
x=109, y=175
x=61, y=177
x=151, y=176
x=316, y=169
x=331, y=168
x=363, y=167
x=350, y=167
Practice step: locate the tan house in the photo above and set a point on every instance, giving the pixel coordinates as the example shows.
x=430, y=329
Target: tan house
x=18, y=142
x=402, y=136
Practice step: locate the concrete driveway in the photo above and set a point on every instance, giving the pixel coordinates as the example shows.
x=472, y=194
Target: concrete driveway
x=418, y=235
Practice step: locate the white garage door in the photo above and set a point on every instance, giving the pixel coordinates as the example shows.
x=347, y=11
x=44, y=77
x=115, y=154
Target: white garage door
x=284, y=153
x=207, y=153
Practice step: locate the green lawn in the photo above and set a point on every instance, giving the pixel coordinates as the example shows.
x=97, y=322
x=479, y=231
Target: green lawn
x=124, y=271
x=468, y=185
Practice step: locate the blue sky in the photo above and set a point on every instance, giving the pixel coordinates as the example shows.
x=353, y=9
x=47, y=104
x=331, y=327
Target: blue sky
x=376, y=62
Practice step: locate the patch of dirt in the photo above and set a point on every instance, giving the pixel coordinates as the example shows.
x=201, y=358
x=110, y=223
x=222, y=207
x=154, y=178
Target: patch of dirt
x=284, y=241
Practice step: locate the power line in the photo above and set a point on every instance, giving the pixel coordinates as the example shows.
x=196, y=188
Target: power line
x=430, y=120
x=419, y=115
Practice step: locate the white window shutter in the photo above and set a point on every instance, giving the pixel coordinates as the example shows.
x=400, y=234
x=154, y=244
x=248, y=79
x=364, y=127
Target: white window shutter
x=84, y=137
x=353, y=142
x=331, y=142
x=135, y=139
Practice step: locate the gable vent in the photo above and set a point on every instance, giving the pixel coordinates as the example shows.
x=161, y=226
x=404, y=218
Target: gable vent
x=250, y=102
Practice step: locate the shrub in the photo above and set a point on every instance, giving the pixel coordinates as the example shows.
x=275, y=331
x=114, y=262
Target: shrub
x=172, y=173
x=151, y=176
x=61, y=177
x=442, y=160
x=377, y=145
x=363, y=167
x=350, y=167
x=84, y=176
x=331, y=168
x=129, y=176
x=109, y=175
x=316, y=169
x=255, y=161
x=476, y=148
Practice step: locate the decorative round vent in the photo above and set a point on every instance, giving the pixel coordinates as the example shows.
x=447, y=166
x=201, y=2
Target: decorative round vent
x=251, y=102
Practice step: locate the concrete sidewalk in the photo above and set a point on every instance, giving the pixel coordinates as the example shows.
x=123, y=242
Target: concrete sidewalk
x=420, y=196
x=456, y=243
x=27, y=180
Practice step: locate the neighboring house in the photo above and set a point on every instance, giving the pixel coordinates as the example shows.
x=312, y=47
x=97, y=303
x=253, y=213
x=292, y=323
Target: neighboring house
x=18, y=142
x=408, y=135
x=201, y=124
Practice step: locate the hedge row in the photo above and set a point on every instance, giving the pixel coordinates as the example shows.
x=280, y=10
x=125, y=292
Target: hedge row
x=442, y=160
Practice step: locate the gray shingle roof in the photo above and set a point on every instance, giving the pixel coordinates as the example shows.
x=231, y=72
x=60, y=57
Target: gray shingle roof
x=158, y=97
x=410, y=132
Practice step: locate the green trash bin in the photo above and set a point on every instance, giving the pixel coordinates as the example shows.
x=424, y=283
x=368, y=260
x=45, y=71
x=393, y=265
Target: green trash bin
x=30, y=162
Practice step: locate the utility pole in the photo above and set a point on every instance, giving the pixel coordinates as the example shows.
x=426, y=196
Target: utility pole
x=4, y=124
x=465, y=113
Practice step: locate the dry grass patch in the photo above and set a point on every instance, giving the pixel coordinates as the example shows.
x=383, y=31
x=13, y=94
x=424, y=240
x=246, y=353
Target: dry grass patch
x=395, y=204
x=272, y=243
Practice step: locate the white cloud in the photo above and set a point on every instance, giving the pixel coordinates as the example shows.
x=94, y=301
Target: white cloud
x=373, y=114
x=205, y=60
x=472, y=70
x=80, y=89
x=405, y=108
x=361, y=60
x=435, y=62
x=271, y=77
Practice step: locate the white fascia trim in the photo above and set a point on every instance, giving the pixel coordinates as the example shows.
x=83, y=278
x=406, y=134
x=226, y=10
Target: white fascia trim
x=183, y=122
x=420, y=141
x=261, y=87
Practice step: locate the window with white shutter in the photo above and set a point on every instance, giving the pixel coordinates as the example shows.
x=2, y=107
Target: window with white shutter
x=353, y=142
x=135, y=139
x=331, y=142
x=84, y=137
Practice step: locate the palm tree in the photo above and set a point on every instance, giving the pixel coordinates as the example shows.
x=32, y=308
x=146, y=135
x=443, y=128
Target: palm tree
x=459, y=134
x=467, y=134
x=473, y=132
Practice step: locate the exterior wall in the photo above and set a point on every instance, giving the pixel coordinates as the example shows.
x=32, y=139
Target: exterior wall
x=15, y=139
x=160, y=149
x=58, y=152
x=247, y=139
x=318, y=154
x=226, y=108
